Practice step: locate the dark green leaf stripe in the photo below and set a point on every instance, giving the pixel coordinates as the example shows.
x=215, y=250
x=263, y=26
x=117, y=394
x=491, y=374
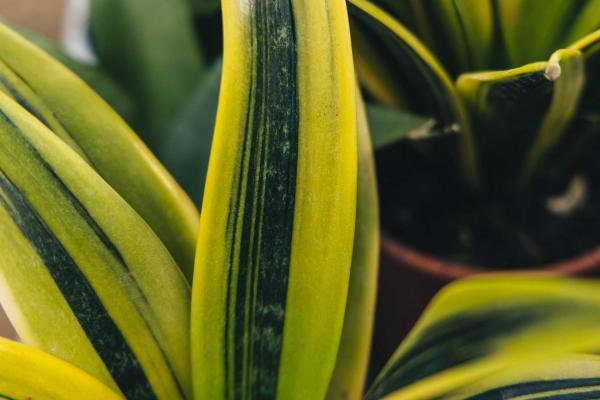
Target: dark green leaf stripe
x=262, y=210
x=585, y=389
x=16, y=87
x=482, y=334
x=454, y=341
x=88, y=125
x=87, y=307
x=101, y=330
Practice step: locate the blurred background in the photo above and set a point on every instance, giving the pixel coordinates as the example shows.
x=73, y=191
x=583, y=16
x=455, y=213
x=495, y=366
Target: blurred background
x=46, y=18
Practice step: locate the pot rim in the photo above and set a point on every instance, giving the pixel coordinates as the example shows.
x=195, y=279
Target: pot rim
x=400, y=253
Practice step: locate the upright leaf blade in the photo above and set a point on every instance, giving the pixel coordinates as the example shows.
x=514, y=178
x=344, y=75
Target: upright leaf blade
x=86, y=122
x=277, y=226
x=350, y=371
x=26, y=373
x=83, y=276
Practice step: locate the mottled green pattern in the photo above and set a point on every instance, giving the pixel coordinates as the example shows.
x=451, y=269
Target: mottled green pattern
x=262, y=211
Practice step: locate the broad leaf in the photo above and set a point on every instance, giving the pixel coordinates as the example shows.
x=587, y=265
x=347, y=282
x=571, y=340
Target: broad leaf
x=476, y=330
x=83, y=276
x=31, y=374
x=278, y=219
x=84, y=121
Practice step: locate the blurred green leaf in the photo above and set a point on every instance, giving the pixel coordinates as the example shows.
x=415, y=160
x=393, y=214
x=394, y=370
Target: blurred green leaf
x=205, y=6
x=186, y=149
x=149, y=47
x=389, y=126
x=533, y=29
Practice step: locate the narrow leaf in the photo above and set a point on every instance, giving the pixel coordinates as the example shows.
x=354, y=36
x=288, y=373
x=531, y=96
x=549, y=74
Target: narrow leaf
x=83, y=276
x=277, y=227
x=148, y=46
x=26, y=373
x=422, y=78
x=349, y=375
x=83, y=120
x=477, y=328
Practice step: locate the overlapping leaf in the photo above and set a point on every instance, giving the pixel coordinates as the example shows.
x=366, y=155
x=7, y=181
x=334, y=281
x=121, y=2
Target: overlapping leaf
x=84, y=121
x=83, y=276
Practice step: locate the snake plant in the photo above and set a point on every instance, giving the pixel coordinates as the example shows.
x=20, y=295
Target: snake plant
x=478, y=69
x=113, y=297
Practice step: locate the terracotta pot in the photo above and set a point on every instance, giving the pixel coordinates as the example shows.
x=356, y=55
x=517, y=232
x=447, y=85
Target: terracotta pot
x=408, y=279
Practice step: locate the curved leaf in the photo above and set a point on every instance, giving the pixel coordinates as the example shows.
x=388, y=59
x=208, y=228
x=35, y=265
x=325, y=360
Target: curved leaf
x=420, y=75
x=82, y=119
x=522, y=111
x=82, y=275
x=277, y=226
x=562, y=377
x=476, y=329
x=26, y=373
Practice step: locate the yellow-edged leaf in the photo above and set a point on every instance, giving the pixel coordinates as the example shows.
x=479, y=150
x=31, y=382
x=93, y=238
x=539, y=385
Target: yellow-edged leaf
x=82, y=276
x=277, y=227
x=26, y=373
x=353, y=355
x=478, y=328
x=83, y=120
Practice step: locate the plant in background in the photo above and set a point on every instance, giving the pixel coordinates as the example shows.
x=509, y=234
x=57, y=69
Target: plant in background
x=97, y=242
x=513, y=183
